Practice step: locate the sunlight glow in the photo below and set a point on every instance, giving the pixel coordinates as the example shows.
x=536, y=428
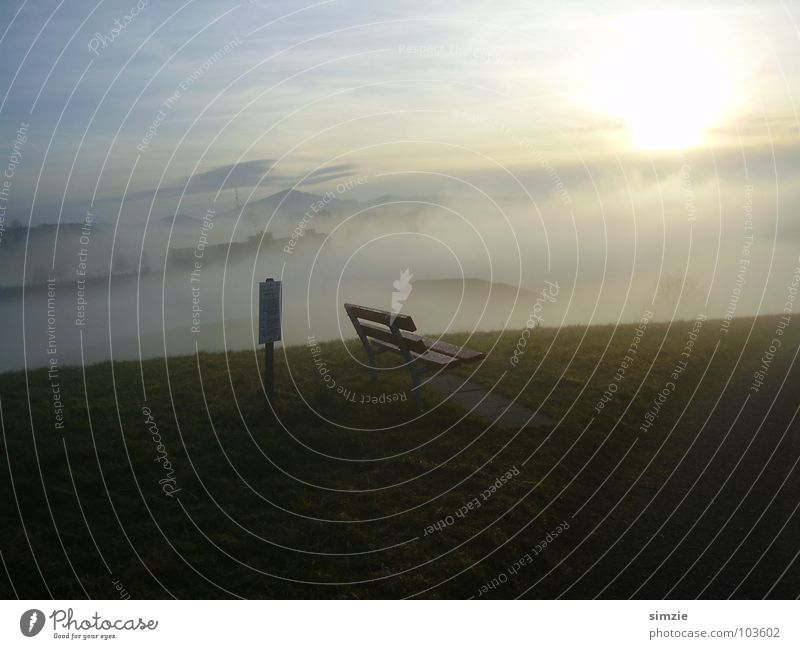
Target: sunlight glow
x=665, y=79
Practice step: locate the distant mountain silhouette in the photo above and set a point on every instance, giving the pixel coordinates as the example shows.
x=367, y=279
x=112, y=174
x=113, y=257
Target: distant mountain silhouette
x=293, y=203
x=180, y=220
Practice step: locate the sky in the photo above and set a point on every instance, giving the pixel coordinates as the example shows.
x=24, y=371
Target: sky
x=617, y=148
x=269, y=95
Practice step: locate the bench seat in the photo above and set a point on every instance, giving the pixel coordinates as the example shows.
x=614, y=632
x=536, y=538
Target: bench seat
x=428, y=356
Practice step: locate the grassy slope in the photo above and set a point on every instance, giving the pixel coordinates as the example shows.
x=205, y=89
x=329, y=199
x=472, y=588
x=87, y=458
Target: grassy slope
x=273, y=507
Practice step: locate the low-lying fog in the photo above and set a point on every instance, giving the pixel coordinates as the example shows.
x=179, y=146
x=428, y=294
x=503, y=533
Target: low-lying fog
x=474, y=263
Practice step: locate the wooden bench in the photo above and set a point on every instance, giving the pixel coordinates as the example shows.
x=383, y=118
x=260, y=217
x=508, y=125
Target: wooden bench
x=383, y=331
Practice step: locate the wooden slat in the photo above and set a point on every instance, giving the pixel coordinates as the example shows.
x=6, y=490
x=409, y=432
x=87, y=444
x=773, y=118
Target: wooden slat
x=464, y=354
x=431, y=357
x=403, y=321
x=412, y=341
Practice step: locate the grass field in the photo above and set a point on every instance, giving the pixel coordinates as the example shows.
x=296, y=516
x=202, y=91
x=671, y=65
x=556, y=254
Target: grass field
x=327, y=496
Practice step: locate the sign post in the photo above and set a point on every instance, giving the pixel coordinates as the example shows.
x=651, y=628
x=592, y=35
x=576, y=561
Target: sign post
x=269, y=328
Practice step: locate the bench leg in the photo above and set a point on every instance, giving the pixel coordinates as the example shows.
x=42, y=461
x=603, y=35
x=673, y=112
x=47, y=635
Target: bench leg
x=373, y=363
x=372, y=359
x=416, y=385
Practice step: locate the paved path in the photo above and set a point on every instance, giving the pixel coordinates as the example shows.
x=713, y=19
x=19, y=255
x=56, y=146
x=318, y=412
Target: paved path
x=486, y=405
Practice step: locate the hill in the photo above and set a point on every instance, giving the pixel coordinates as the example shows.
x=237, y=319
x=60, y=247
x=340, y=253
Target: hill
x=291, y=204
x=177, y=478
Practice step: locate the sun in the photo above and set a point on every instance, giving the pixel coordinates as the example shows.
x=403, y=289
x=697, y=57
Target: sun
x=662, y=76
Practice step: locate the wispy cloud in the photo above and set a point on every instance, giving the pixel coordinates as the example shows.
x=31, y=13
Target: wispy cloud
x=245, y=175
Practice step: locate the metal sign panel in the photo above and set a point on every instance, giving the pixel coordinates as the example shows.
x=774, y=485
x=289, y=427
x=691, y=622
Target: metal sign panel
x=269, y=312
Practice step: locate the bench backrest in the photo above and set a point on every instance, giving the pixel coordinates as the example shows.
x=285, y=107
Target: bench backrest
x=402, y=321
x=388, y=327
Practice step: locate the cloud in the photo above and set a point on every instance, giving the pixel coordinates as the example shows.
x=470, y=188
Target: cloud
x=243, y=175
x=325, y=174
